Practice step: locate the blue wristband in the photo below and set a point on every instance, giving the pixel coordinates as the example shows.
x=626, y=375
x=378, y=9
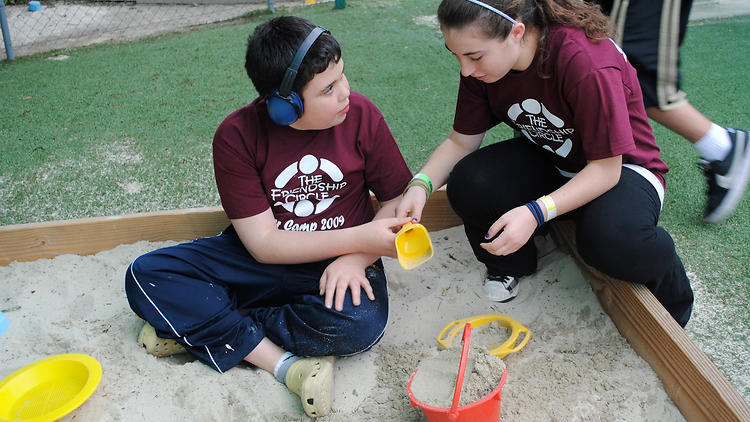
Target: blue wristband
x=539, y=212
x=536, y=212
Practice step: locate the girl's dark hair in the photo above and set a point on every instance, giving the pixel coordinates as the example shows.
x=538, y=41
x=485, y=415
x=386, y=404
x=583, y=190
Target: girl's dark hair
x=538, y=13
x=272, y=46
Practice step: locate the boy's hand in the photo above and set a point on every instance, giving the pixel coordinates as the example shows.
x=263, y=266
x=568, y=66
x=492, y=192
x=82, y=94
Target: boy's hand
x=379, y=236
x=412, y=204
x=515, y=227
x=346, y=272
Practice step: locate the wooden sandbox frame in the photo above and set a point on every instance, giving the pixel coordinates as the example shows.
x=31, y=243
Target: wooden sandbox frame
x=699, y=390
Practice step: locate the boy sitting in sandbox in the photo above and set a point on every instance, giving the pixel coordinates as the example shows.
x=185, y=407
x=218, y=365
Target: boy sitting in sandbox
x=281, y=287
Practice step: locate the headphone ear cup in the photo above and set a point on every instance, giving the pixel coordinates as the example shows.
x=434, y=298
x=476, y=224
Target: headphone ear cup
x=284, y=110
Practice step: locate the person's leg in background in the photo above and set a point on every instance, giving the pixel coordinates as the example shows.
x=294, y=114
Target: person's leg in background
x=617, y=234
x=651, y=34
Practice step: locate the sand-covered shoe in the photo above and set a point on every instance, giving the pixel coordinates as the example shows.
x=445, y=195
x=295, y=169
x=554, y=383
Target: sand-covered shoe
x=312, y=380
x=157, y=346
x=501, y=288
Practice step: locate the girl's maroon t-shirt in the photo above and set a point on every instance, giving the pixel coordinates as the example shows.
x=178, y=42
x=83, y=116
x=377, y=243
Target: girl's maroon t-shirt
x=588, y=105
x=311, y=179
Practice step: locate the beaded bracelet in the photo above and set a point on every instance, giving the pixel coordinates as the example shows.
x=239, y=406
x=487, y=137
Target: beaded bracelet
x=426, y=179
x=422, y=181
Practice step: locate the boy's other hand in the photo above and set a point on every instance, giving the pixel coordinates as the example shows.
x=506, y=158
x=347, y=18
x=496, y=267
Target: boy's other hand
x=346, y=272
x=412, y=203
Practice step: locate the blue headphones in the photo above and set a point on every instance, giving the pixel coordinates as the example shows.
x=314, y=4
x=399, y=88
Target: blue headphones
x=285, y=105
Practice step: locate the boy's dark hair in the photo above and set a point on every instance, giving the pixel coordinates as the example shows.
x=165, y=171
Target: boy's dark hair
x=272, y=46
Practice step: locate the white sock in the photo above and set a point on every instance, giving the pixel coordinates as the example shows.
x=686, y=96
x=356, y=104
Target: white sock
x=714, y=145
x=282, y=366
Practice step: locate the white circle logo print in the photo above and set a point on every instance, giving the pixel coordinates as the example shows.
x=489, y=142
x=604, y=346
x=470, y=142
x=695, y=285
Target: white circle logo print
x=541, y=126
x=313, y=194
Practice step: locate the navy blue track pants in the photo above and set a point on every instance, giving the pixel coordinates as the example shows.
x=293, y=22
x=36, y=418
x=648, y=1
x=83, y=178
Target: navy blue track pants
x=616, y=233
x=213, y=297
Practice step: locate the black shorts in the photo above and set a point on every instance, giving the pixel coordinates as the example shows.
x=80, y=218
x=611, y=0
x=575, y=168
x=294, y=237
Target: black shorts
x=651, y=33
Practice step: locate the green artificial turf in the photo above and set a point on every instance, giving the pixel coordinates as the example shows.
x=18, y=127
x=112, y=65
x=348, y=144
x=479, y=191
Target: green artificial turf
x=718, y=254
x=125, y=128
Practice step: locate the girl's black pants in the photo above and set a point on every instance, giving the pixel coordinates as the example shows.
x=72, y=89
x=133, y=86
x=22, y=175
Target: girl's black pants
x=616, y=233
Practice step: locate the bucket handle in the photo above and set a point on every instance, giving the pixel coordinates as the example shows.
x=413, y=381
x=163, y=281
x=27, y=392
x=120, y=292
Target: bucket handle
x=453, y=414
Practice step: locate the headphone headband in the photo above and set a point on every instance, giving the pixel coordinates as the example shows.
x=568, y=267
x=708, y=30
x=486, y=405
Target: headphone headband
x=291, y=72
x=490, y=8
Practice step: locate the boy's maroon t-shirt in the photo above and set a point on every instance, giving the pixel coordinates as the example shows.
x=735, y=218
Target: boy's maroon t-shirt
x=587, y=107
x=311, y=179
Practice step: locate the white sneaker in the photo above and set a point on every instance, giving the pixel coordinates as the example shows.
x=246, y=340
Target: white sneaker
x=501, y=288
x=727, y=178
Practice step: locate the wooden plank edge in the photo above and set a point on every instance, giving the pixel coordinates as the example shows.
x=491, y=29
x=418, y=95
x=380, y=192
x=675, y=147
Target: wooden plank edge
x=28, y=242
x=690, y=378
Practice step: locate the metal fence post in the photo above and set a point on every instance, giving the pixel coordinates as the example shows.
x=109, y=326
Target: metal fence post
x=270, y=6
x=6, y=32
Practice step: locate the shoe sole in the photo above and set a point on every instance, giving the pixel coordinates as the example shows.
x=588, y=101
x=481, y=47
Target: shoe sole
x=504, y=301
x=736, y=190
x=498, y=299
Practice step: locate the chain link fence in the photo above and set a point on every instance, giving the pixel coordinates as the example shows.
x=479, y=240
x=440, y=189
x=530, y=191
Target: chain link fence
x=64, y=24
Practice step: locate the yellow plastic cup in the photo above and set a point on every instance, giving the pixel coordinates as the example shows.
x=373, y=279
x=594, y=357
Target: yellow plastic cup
x=413, y=245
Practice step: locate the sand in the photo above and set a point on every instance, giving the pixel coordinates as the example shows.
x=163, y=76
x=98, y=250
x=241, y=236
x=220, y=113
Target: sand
x=576, y=365
x=436, y=378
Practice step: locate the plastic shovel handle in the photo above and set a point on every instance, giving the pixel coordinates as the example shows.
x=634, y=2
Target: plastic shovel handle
x=461, y=370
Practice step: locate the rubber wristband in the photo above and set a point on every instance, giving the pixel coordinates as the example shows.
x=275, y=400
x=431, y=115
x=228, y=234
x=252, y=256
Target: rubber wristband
x=418, y=182
x=539, y=212
x=549, y=203
x=535, y=212
x=426, y=179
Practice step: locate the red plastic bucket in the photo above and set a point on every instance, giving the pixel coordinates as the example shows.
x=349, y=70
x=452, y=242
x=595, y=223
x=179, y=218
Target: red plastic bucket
x=487, y=409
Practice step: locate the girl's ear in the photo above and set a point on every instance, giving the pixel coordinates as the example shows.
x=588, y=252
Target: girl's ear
x=518, y=30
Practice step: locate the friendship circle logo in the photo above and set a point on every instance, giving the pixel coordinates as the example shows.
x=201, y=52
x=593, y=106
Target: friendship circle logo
x=539, y=117
x=312, y=197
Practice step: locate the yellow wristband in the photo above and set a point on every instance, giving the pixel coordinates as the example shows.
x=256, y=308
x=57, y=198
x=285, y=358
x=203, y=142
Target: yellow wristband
x=549, y=204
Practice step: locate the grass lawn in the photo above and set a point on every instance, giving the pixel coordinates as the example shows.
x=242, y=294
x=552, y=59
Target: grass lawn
x=125, y=128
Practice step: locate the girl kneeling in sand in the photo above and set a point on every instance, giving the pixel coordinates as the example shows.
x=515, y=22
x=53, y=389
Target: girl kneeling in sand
x=548, y=69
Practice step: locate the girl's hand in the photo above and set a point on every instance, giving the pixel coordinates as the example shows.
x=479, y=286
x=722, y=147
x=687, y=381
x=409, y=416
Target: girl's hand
x=515, y=227
x=346, y=272
x=412, y=204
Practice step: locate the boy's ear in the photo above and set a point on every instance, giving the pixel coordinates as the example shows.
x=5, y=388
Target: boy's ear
x=284, y=110
x=285, y=105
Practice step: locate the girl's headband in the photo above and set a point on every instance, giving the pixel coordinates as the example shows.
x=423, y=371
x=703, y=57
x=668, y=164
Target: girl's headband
x=488, y=7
